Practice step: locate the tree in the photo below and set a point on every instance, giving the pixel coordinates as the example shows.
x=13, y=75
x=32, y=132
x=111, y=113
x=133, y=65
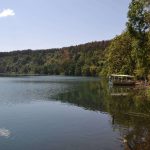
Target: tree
x=119, y=56
x=93, y=70
x=86, y=70
x=138, y=26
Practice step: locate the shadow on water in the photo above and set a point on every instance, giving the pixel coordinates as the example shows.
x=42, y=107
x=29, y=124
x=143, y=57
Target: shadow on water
x=129, y=109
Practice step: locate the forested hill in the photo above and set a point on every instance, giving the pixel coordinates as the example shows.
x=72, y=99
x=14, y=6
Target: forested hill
x=86, y=59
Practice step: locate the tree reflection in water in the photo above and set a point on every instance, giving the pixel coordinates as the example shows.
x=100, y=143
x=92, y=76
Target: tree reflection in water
x=129, y=109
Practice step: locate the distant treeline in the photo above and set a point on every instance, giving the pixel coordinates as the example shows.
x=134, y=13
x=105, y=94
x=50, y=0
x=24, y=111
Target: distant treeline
x=82, y=60
x=128, y=53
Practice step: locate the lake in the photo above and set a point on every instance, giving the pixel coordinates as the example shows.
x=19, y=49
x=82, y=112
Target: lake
x=71, y=113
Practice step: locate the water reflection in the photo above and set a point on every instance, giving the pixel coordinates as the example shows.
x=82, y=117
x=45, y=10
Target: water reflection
x=35, y=115
x=128, y=107
x=4, y=132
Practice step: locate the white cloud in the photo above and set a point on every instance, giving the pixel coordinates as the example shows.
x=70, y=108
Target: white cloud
x=4, y=132
x=7, y=13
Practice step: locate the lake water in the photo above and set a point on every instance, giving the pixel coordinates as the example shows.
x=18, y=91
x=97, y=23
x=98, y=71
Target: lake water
x=71, y=113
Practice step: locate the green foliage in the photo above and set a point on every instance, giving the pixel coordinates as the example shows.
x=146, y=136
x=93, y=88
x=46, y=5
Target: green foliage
x=75, y=60
x=138, y=26
x=129, y=53
x=137, y=15
x=119, y=57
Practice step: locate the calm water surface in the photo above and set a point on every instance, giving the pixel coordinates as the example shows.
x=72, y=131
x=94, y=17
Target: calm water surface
x=71, y=113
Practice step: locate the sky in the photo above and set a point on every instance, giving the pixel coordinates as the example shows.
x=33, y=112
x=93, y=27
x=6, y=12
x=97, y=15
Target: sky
x=42, y=24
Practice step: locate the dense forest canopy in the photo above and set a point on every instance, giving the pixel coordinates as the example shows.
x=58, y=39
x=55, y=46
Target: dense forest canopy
x=128, y=53
x=86, y=60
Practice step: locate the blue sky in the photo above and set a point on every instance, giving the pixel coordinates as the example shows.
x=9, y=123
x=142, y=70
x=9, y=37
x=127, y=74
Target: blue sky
x=36, y=24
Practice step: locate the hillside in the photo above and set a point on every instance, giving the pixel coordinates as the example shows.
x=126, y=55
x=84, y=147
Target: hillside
x=86, y=59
